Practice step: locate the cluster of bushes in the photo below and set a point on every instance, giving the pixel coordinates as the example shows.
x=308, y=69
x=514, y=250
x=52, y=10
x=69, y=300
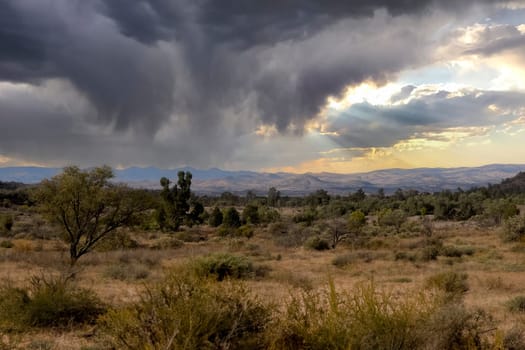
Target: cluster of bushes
x=187, y=311
x=47, y=302
x=206, y=306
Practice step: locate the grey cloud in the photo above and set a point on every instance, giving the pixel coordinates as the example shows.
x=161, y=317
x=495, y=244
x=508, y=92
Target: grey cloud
x=204, y=72
x=365, y=125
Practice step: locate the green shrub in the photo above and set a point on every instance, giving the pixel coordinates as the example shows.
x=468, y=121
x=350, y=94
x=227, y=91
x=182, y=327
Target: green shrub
x=6, y=244
x=307, y=217
x=231, y=218
x=454, y=284
x=246, y=231
x=514, y=229
x=6, y=223
x=429, y=253
x=224, y=265
x=517, y=304
x=191, y=235
x=215, y=218
x=317, y=243
x=456, y=252
x=47, y=302
x=452, y=326
x=117, y=240
x=167, y=243
x=189, y=312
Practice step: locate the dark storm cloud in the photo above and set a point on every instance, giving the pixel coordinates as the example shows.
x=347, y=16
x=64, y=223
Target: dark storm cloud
x=366, y=125
x=205, y=71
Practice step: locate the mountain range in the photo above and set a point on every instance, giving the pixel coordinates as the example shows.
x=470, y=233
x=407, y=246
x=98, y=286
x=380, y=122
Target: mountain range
x=216, y=181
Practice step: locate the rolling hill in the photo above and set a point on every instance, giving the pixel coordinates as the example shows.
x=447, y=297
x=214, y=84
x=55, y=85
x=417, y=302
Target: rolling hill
x=216, y=181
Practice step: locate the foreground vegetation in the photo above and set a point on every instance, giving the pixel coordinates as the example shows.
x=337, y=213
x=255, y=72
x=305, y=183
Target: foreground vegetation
x=175, y=271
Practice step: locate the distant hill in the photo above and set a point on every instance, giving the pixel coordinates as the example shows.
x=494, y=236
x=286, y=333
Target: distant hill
x=216, y=181
x=515, y=184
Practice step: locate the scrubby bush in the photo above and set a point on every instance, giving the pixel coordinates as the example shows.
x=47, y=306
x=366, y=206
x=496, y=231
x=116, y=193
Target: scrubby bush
x=246, y=231
x=117, y=240
x=47, y=302
x=307, y=217
x=224, y=265
x=268, y=215
x=370, y=318
x=393, y=218
x=514, y=229
x=231, y=218
x=190, y=235
x=366, y=319
x=291, y=235
x=189, y=312
x=167, y=243
x=514, y=339
x=454, y=284
x=316, y=243
x=250, y=214
x=456, y=252
x=6, y=244
x=516, y=304
x=216, y=217
x=453, y=326
x=6, y=223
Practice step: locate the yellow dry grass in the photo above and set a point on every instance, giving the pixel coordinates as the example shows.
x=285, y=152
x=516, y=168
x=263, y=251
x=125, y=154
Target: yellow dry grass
x=495, y=270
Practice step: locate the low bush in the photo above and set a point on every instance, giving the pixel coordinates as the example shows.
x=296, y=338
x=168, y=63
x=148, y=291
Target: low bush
x=47, y=302
x=514, y=339
x=456, y=252
x=221, y=266
x=514, y=229
x=453, y=326
x=167, y=243
x=370, y=318
x=516, y=304
x=189, y=312
x=6, y=244
x=316, y=243
x=454, y=284
x=118, y=240
x=191, y=235
x=6, y=223
x=366, y=319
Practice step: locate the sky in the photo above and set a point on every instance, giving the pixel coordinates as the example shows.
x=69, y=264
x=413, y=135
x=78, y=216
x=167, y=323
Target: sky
x=292, y=85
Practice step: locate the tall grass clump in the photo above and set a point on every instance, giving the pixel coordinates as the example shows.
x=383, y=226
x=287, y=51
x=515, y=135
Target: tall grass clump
x=368, y=318
x=186, y=311
x=47, y=302
x=371, y=318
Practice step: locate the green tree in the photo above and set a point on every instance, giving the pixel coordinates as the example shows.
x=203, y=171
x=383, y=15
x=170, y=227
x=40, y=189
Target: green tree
x=394, y=218
x=231, y=218
x=87, y=206
x=215, y=217
x=250, y=214
x=175, y=208
x=273, y=197
x=356, y=221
